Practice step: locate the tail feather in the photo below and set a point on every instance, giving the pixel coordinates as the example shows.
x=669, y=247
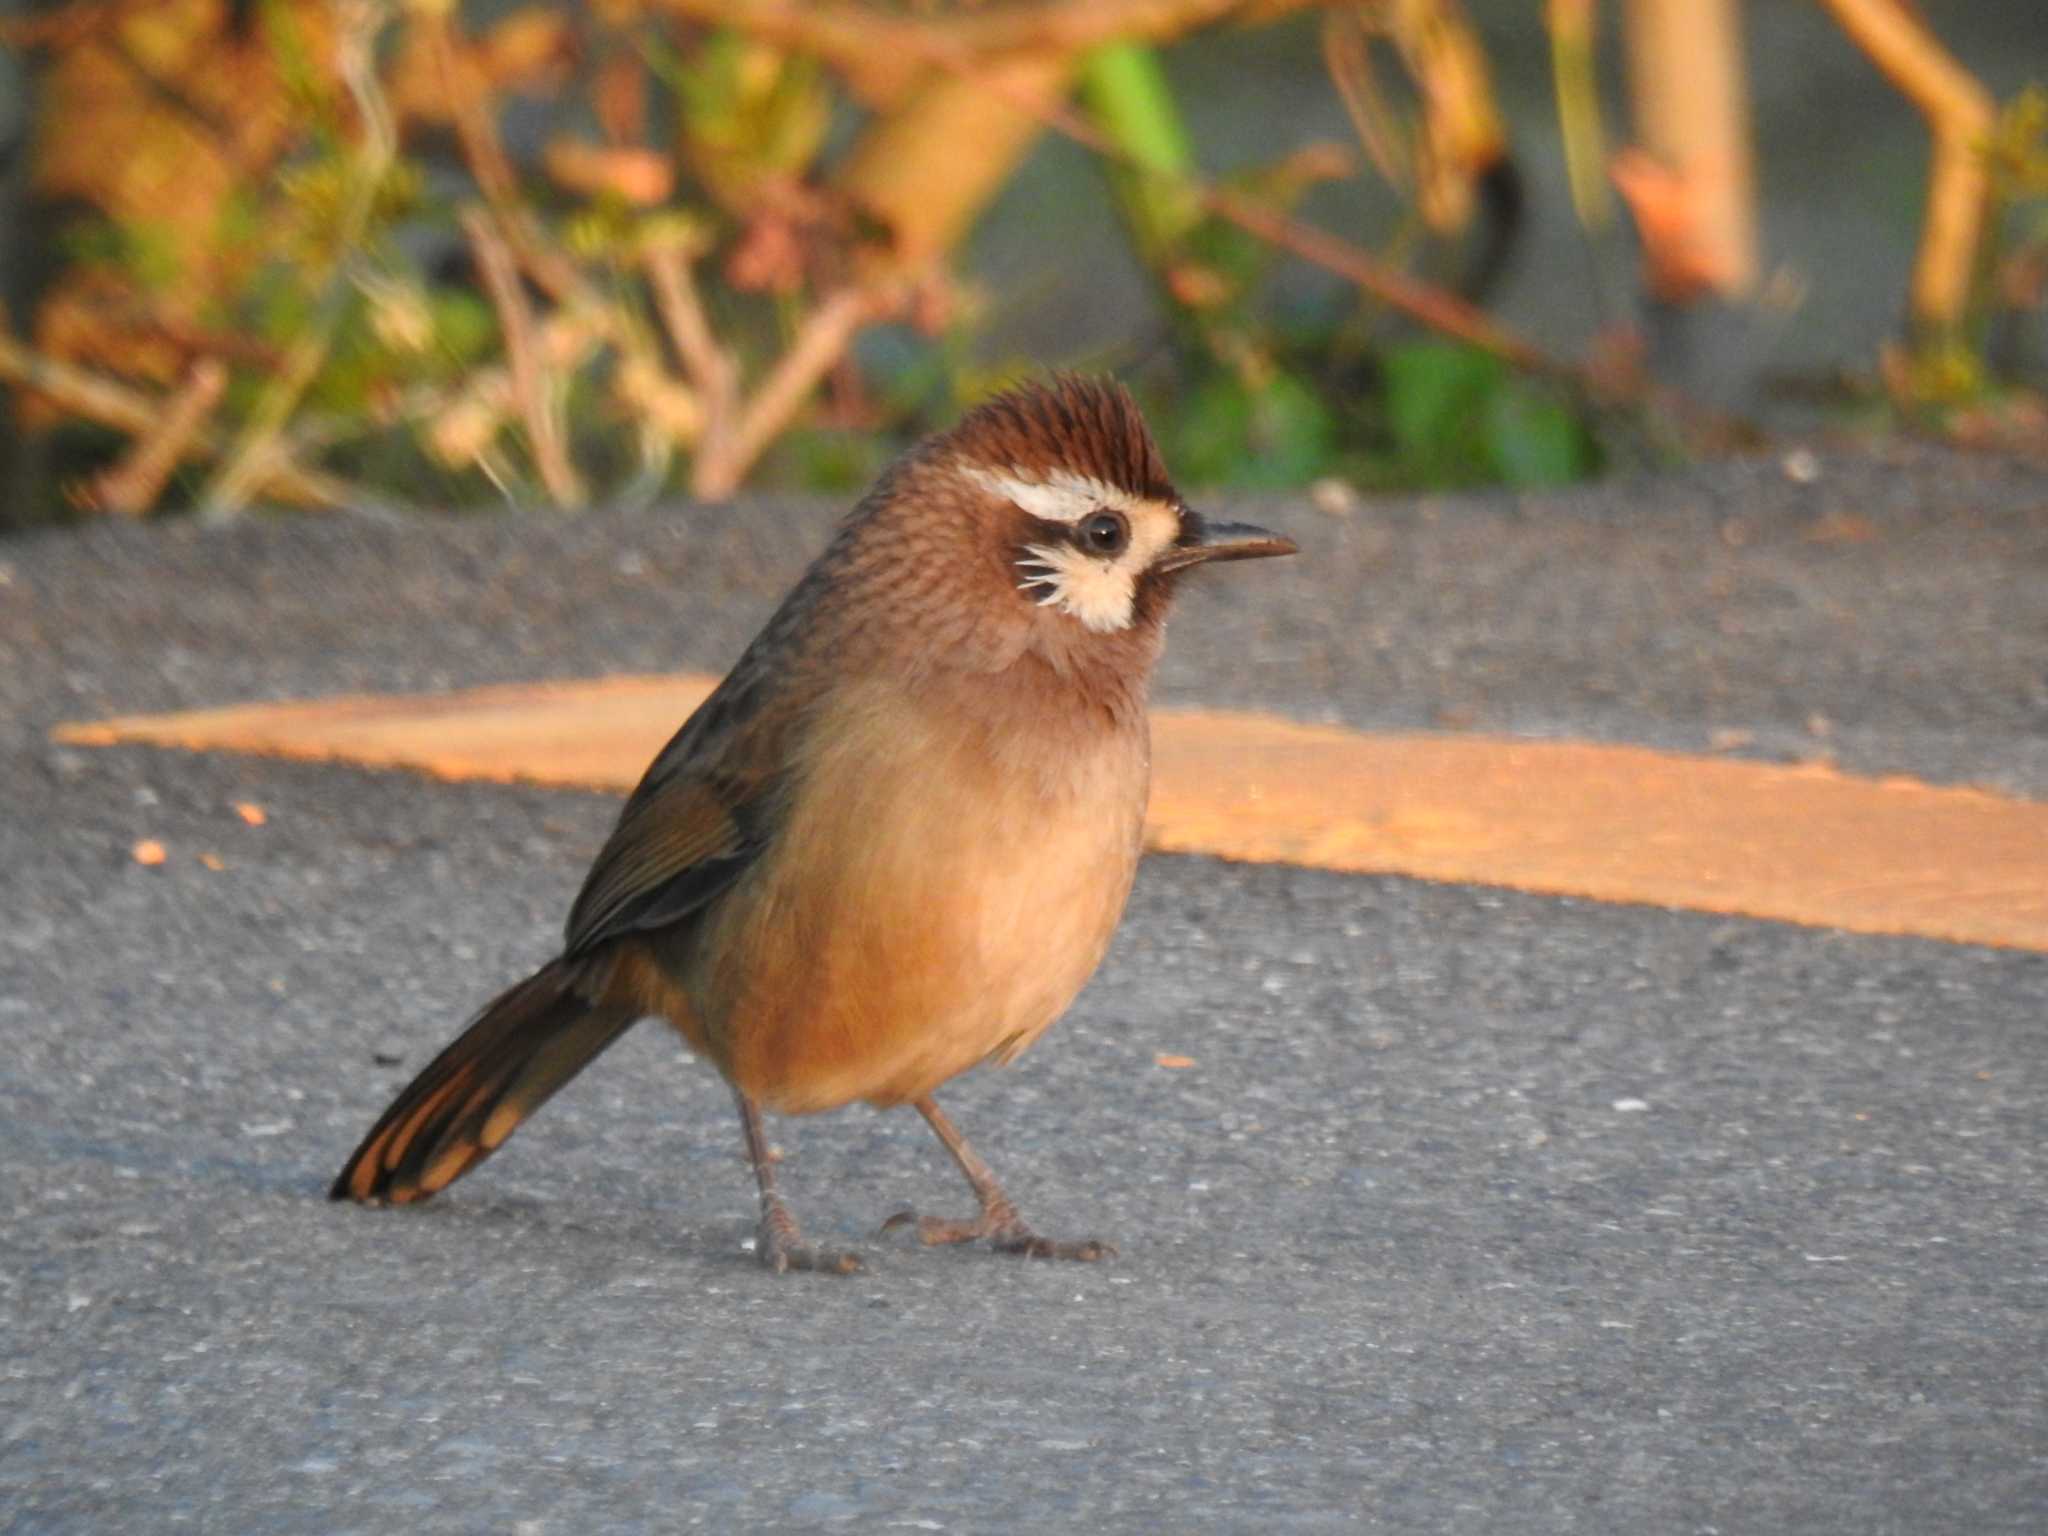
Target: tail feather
x=511, y=1060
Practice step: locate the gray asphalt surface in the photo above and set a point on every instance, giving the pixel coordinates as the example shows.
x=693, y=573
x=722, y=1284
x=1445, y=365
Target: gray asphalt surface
x=1477, y=1212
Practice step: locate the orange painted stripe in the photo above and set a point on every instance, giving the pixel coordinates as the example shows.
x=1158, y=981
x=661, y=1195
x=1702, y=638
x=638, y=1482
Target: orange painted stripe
x=1795, y=844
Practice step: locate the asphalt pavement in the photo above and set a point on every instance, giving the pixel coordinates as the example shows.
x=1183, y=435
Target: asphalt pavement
x=1454, y=1210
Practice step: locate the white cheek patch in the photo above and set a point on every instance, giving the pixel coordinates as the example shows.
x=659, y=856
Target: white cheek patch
x=1057, y=496
x=1154, y=527
x=1099, y=593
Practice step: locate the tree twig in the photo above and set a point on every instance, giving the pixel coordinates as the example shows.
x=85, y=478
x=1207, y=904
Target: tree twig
x=131, y=487
x=114, y=404
x=357, y=24
x=476, y=131
x=865, y=37
x=820, y=341
x=1437, y=308
x=535, y=254
x=710, y=367
x=530, y=384
x=955, y=45
x=1960, y=116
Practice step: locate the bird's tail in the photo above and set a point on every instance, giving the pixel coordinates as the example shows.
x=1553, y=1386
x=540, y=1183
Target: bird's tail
x=456, y=1113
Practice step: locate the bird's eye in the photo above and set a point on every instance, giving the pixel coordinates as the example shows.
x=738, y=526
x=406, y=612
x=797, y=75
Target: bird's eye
x=1105, y=533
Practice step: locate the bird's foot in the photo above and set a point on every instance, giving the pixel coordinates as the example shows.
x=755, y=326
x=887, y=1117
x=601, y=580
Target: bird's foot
x=1006, y=1233
x=780, y=1247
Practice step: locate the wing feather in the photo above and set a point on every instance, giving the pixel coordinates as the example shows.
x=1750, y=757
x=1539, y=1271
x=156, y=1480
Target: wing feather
x=707, y=806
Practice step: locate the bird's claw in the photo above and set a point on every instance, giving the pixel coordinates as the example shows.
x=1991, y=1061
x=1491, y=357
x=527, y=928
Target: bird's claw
x=780, y=1253
x=1030, y=1245
x=1011, y=1237
x=902, y=1218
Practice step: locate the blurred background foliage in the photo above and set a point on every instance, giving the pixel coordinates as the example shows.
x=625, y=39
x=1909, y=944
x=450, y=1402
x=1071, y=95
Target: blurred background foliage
x=433, y=254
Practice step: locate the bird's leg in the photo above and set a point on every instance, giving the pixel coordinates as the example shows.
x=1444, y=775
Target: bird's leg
x=998, y=1221
x=778, y=1244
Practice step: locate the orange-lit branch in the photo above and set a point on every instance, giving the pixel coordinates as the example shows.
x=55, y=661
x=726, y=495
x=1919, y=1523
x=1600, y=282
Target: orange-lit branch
x=1960, y=116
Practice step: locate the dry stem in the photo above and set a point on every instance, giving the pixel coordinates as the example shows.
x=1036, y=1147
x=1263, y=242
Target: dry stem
x=1072, y=22
x=1960, y=116
x=114, y=404
x=869, y=43
x=131, y=487
x=531, y=386
x=484, y=152
x=709, y=366
x=260, y=443
x=1437, y=308
x=1690, y=99
x=826, y=333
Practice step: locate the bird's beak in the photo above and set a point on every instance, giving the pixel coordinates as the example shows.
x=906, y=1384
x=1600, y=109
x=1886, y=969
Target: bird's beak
x=1202, y=540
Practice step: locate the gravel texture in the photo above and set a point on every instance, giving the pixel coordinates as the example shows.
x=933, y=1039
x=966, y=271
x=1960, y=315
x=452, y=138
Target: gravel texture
x=1474, y=1212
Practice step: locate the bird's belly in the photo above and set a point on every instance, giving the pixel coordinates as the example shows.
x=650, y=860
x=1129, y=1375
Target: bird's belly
x=909, y=926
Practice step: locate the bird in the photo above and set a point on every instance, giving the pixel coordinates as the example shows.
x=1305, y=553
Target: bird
x=894, y=842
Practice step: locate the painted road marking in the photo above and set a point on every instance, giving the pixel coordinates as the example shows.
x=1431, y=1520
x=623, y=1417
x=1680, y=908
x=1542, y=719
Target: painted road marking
x=1799, y=844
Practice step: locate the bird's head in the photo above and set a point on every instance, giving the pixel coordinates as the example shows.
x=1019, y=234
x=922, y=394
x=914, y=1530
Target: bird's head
x=1042, y=523
x=1075, y=498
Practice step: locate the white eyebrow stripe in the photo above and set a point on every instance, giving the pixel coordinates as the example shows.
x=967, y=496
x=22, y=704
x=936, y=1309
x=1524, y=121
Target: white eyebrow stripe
x=1060, y=496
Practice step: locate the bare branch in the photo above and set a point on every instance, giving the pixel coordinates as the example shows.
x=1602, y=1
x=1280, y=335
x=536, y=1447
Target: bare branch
x=1437, y=308
x=529, y=378
x=854, y=36
x=1960, y=117
x=820, y=342
x=469, y=102
x=357, y=24
x=114, y=404
x=131, y=487
x=710, y=367
x=952, y=46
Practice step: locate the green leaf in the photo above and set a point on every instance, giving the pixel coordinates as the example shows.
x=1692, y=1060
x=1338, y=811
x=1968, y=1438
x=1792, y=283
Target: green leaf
x=1437, y=396
x=1210, y=434
x=465, y=326
x=1278, y=435
x=1127, y=94
x=1291, y=435
x=1535, y=440
x=824, y=461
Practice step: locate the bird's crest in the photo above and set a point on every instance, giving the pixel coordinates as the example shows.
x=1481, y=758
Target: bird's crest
x=1068, y=429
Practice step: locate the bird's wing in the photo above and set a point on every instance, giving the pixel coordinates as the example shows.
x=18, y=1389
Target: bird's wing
x=704, y=811
x=713, y=797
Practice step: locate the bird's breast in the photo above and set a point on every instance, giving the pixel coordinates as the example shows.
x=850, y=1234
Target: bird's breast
x=951, y=868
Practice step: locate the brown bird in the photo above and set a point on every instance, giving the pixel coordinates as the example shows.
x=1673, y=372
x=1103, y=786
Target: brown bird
x=895, y=841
